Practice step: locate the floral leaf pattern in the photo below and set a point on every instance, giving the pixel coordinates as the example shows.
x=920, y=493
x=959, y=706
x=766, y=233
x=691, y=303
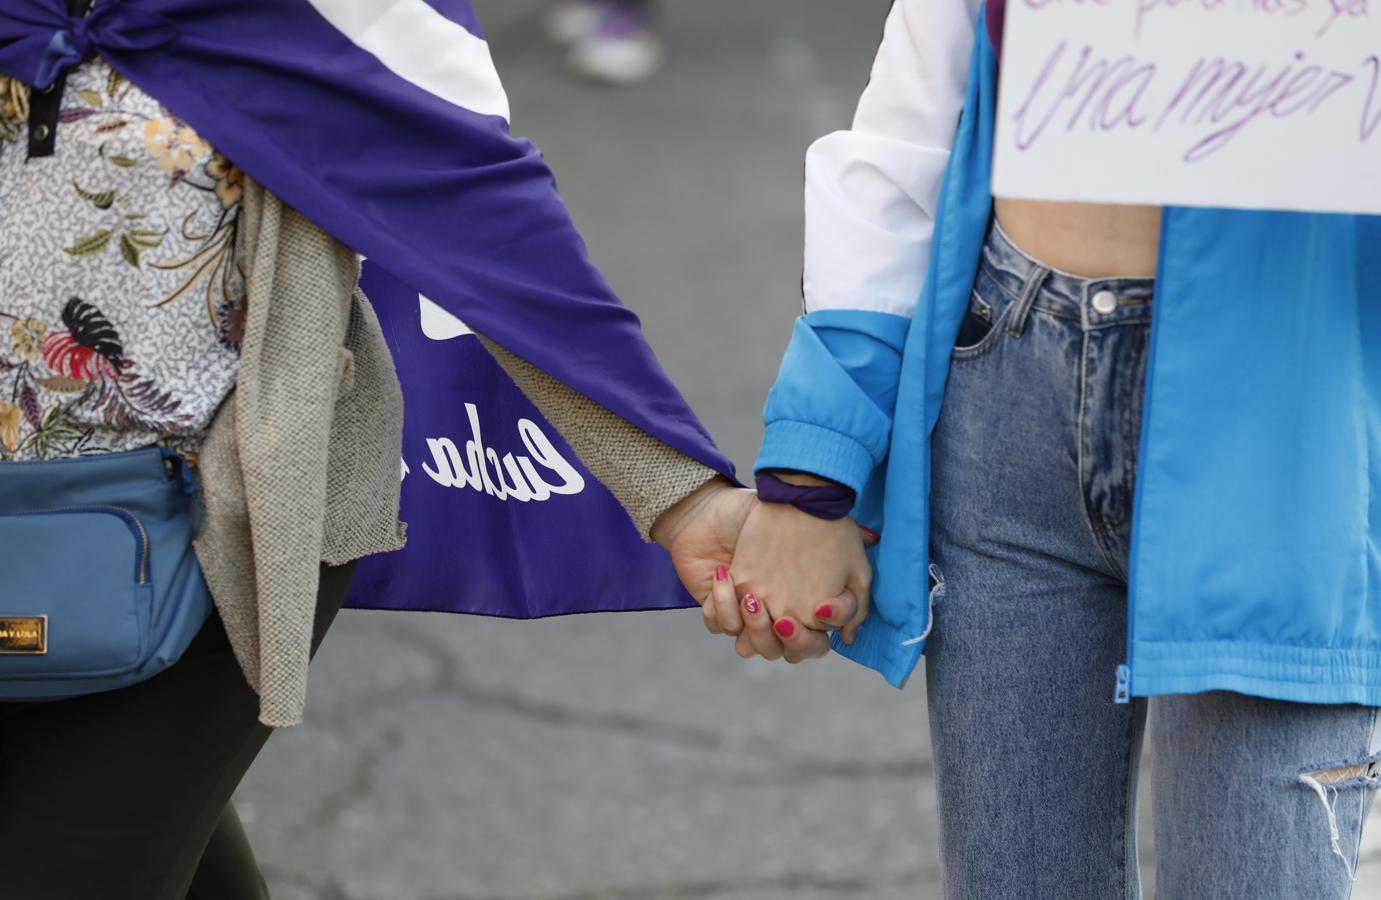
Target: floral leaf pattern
x=91, y=329
x=14, y=108
x=28, y=402
x=102, y=200
x=10, y=418
x=145, y=237
x=60, y=384
x=57, y=435
x=74, y=114
x=93, y=244
x=129, y=251
x=122, y=301
x=27, y=336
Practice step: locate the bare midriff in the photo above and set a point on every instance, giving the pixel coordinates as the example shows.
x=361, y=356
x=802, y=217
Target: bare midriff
x=1093, y=240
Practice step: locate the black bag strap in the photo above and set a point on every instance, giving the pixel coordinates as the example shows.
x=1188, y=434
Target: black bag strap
x=46, y=104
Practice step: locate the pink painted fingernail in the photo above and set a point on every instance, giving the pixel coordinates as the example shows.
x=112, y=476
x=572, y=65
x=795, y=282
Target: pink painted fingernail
x=785, y=628
x=751, y=604
x=869, y=532
x=824, y=611
x=721, y=573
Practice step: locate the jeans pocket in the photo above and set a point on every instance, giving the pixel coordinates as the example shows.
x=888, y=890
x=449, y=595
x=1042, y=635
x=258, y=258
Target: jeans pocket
x=981, y=328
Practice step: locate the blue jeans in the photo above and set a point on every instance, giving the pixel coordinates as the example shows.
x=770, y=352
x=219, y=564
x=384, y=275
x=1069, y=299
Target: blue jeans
x=1036, y=767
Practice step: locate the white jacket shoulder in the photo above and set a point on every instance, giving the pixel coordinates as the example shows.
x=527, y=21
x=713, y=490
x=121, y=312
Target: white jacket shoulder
x=871, y=191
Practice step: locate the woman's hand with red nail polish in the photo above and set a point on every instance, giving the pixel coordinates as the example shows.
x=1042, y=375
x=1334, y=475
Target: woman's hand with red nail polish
x=811, y=575
x=719, y=536
x=701, y=533
x=728, y=610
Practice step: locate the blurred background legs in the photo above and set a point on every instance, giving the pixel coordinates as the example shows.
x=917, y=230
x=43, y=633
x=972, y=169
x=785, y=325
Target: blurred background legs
x=608, y=41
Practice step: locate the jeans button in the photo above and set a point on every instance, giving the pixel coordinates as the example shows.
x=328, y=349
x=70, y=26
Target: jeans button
x=1104, y=302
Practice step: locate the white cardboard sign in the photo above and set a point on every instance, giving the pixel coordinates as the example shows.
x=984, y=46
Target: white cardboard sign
x=1257, y=104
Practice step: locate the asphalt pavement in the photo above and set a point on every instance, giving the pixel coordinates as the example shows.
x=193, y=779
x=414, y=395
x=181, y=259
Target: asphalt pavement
x=632, y=757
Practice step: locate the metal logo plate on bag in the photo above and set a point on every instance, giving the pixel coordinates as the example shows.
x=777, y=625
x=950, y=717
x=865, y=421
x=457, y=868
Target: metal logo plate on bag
x=23, y=635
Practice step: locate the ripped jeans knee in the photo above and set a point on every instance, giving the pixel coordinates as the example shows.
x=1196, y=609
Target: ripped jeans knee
x=1359, y=777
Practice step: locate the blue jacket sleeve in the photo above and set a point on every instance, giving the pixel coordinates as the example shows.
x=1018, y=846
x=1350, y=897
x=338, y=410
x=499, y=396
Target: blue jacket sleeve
x=830, y=411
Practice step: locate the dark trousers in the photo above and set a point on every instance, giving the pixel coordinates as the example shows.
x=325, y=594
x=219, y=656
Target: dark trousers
x=125, y=795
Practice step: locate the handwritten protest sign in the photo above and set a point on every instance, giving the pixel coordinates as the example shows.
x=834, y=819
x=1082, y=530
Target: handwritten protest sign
x=1258, y=104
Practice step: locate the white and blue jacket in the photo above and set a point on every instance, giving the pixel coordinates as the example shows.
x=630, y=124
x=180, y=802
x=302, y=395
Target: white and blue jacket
x=1255, y=564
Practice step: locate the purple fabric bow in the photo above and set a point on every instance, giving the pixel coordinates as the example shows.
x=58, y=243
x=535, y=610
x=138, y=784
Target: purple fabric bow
x=822, y=502
x=55, y=41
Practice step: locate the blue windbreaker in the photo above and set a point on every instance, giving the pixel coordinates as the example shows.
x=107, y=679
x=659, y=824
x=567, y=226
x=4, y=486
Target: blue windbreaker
x=1258, y=511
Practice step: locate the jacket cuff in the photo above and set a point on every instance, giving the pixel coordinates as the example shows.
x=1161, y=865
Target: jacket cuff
x=820, y=451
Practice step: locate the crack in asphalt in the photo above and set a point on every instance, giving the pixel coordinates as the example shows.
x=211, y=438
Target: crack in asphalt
x=360, y=781
x=452, y=680
x=706, y=889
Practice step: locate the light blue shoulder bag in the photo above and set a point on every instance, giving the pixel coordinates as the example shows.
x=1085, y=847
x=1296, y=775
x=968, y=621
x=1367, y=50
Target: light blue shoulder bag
x=99, y=585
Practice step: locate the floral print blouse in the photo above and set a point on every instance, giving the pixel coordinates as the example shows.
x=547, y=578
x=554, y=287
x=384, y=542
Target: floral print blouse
x=121, y=297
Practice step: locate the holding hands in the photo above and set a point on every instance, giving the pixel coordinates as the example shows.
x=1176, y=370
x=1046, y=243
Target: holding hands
x=774, y=578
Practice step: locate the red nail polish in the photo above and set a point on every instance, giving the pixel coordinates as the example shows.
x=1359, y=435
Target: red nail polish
x=785, y=628
x=721, y=573
x=824, y=611
x=751, y=604
x=869, y=532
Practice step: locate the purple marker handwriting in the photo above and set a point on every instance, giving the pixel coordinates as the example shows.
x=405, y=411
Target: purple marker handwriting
x=1322, y=15
x=1371, y=112
x=1211, y=101
x=1344, y=9
x=1250, y=104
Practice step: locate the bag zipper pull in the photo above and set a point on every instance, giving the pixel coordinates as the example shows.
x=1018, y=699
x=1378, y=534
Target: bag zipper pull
x=1123, y=694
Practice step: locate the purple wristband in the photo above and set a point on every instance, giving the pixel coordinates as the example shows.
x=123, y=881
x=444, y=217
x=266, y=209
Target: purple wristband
x=835, y=502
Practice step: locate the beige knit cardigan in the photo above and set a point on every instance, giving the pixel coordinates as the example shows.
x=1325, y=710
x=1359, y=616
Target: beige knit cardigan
x=302, y=464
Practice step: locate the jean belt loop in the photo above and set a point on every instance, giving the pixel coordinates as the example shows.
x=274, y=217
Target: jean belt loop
x=1034, y=280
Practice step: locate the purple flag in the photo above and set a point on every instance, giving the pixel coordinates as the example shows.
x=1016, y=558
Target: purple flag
x=503, y=519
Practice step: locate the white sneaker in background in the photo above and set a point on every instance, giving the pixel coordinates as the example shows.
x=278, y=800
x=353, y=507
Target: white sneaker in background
x=572, y=21
x=623, y=49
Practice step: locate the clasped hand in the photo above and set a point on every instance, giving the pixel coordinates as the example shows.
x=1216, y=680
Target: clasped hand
x=774, y=578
